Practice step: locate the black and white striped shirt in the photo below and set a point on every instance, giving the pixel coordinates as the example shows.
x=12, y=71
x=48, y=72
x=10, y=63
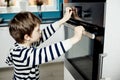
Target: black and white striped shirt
x=26, y=60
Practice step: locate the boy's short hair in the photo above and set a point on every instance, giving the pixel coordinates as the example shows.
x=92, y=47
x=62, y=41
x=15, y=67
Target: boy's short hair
x=23, y=23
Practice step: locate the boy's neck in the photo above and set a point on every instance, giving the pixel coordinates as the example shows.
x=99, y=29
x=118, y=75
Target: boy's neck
x=25, y=44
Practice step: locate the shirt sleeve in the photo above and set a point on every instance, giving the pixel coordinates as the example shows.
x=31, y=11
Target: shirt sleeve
x=49, y=53
x=34, y=56
x=49, y=31
x=9, y=60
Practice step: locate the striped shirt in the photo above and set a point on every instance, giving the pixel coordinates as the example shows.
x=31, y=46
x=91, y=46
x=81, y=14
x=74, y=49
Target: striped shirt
x=26, y=60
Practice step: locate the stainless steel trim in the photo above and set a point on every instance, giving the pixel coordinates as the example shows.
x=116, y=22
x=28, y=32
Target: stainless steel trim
x=101, y=56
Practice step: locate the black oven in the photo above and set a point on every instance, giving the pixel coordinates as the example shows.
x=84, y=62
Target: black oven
x=83, y=60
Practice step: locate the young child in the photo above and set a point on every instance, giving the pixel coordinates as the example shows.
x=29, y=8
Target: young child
x=24, y=55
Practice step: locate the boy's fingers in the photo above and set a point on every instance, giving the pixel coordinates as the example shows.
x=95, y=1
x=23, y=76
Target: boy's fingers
x=83, y=29
x=68, y=9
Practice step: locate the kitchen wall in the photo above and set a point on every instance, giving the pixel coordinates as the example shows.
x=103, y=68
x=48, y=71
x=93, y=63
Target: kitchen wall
x=111, y=64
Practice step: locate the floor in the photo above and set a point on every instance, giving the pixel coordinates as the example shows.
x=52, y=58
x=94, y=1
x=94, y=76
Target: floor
x=49, y=71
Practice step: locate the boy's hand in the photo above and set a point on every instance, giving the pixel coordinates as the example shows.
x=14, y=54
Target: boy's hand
x=78, y=31
x=67, y=14
x=75, y=14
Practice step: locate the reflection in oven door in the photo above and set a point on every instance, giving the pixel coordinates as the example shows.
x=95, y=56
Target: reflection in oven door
x=83, y=58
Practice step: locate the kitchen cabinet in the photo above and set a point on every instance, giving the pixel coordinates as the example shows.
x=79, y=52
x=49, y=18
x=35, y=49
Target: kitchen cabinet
x=6, y=41
x=67, y=75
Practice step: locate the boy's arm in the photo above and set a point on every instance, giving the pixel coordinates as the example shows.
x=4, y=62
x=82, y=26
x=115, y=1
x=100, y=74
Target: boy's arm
x=51, y=52
x=47, y=32
x=35, y=56
x=51, y=29
x=9, y=60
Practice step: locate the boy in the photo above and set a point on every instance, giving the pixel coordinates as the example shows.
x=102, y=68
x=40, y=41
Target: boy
x=24, y=55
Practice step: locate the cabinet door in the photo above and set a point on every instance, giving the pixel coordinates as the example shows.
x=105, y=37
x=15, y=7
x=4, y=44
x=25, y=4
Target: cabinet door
x=5, y=43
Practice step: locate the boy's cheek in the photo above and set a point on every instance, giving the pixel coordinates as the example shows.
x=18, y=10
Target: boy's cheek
x=40, y=36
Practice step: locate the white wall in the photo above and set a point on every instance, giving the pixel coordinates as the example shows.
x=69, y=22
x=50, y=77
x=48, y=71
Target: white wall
x=111, y=64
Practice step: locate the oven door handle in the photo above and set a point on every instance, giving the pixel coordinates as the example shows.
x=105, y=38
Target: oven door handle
x=88, y=34
x=101, y=56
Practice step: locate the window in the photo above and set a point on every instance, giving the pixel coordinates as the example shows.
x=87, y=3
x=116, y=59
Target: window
x=30, y=5
x=48, y=5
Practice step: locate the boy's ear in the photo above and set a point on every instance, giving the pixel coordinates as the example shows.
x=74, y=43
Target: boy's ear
x=27, y=37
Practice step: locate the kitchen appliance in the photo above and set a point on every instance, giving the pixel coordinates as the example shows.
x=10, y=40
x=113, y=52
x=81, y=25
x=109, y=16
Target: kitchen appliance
x=84, y=60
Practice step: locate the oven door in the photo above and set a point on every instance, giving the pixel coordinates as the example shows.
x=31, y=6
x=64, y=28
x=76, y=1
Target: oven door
x=82, y=60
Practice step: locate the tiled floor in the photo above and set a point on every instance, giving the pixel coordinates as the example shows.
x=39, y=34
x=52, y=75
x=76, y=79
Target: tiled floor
x=50, y=71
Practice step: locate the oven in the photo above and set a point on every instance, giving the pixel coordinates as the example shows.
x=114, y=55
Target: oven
x=84, y=60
